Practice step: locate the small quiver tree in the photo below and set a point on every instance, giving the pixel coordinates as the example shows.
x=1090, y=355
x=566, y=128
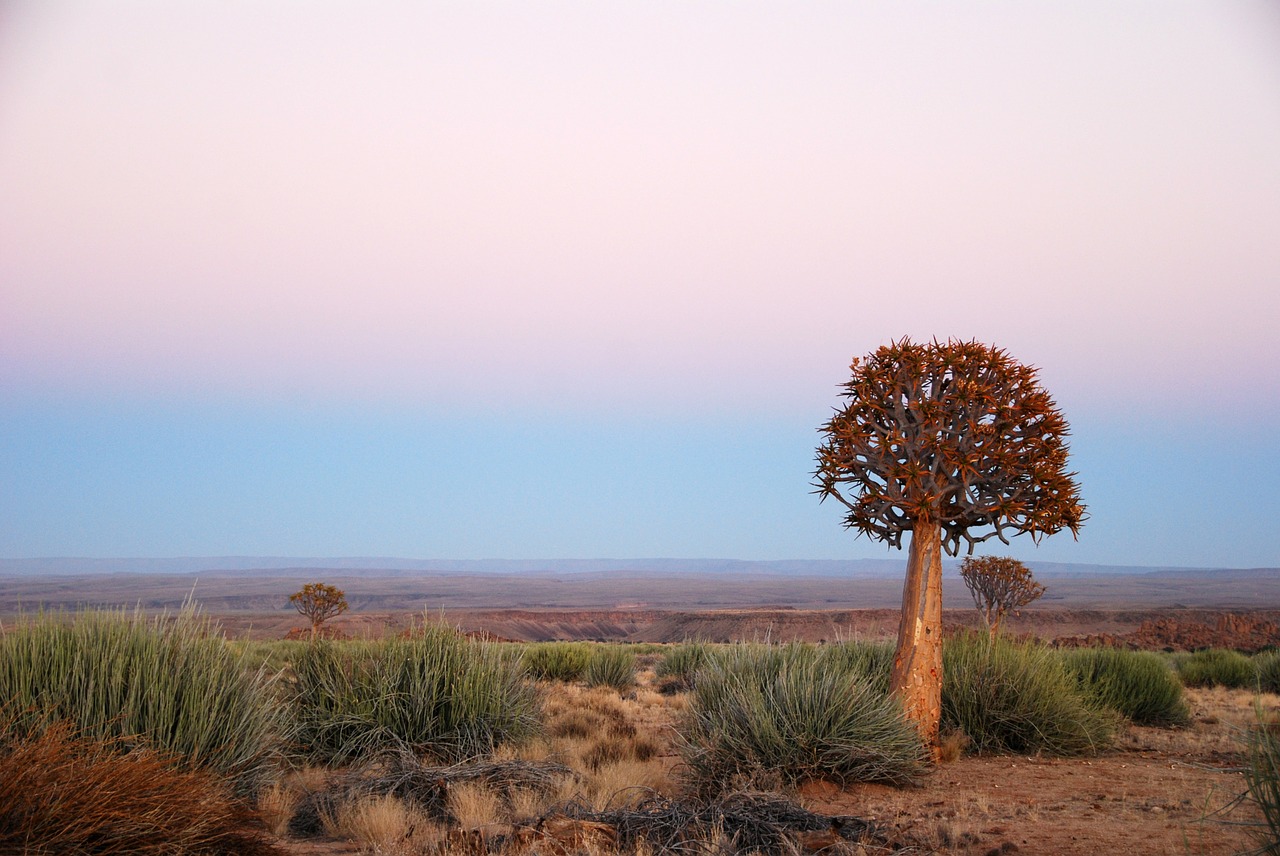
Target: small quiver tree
x=319, y=602
x=999, y=585
x=951, y=442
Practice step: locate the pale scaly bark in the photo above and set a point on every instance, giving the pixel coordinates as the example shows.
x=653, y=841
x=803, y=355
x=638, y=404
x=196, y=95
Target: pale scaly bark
x=916, y=680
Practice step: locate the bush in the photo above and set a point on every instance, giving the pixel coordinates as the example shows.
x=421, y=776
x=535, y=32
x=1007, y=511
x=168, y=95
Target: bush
x=611, y=666
x=1217, y=667
x=435, y=692
x=1266, y=667
x=1262, y=781
x=869, y=661
x=677, y=670
x=173, y=685
x=1136, y=684
x=556, y=661
x=1262, y=776
x=760, y=711
x=1009, y=697
x=63, y=794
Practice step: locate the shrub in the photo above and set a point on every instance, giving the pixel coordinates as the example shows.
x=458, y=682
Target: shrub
x=1136, y=684
x=435, y=692
x=677, y=670
x=1010, y=697
x=1267, y=669
x=1262, y=776
x=760, y=711
x=1216, y=667
x=611, y=666
x=869, y=661
x=556, y=661
x=63, y=794
x=170, y=684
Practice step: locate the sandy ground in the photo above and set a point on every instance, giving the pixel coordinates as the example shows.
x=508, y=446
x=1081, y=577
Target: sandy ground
x=1158, y=791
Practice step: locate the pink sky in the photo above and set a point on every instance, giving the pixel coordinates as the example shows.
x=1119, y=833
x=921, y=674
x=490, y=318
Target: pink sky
x=665, y=207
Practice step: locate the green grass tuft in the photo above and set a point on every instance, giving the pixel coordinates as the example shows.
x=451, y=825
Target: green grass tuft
x=435, y=692
x=759, y=712
x=556, y=661
x=169, y=683
x=1216, y=667
x=1009, y=697
x=677, y=670
x=611, y=666
x=869, y=661
x=1136, y=684
x=1266, y=667
x=1262, y=776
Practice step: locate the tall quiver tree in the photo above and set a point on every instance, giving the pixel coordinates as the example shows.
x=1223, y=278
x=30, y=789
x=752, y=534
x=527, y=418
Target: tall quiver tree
x=953, y=442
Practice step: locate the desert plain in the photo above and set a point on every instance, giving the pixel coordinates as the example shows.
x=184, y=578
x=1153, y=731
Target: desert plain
x=1155, y=790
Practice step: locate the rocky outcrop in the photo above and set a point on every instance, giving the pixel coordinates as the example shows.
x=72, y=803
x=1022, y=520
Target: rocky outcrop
x=1241, y=631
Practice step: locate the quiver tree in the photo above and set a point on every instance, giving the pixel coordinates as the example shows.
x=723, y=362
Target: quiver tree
x=319, y=602
x=953, y=442
x=999, y=585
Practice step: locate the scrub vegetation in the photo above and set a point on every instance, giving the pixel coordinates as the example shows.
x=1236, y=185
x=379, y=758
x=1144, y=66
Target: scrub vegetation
x=157, y=735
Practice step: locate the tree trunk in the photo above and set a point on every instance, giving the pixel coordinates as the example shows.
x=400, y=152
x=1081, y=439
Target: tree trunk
x=916, y=680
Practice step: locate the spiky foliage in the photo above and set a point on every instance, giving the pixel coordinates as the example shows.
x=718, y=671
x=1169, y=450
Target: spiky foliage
x=611, y=666
x=870, y=662
x=1139, y=685
x=63, y=794
x=1263, y=778
x=1009, y=697
x=170, y=684
x=319, y=602
x=555, y=661
x=783, y=712
x=956, y=435
x=1267, y=667
x=1216, y=667
x=677, y=669
x=436, y=692
x=999, y=585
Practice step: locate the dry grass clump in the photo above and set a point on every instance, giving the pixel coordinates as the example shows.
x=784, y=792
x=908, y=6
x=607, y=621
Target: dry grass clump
x=63, y=794
x=592, y=729
x=384, y=824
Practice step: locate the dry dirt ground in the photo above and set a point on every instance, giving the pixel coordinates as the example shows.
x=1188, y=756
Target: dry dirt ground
x=1158, y=791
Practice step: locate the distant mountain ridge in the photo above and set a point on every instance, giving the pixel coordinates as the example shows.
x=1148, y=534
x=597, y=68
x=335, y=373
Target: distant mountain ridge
x=396, y=566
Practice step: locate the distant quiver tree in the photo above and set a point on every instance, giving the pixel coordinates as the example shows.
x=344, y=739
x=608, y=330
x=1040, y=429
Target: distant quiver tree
x=999, y=585
x=953, y=442
x=319, y=602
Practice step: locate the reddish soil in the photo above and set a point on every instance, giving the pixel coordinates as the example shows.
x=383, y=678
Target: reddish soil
x=1157, y=630
x=1158, y=791
x=1244, y=632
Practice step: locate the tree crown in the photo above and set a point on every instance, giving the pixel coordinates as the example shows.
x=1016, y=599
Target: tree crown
x=319, y=602
x=957, y=435
x=999, y=584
